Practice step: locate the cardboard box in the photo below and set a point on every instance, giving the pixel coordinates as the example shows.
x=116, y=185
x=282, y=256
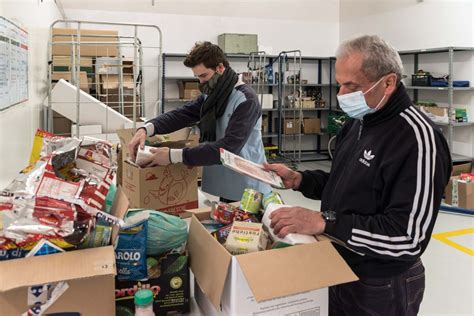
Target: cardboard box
x=106, y=42
x=89, y=274
x=171, y=289
x=307, y=103
x=311, y=125
x=263, y=282
x=114, y=102
x=188, y=89
x=65, y=63
x=109, y=84
x=291, y=126
x=460, y=195
x=266, y=100
x=457, y=170
x=265, y=123
x=171, y=189
x=232, y=43
x=83, y=81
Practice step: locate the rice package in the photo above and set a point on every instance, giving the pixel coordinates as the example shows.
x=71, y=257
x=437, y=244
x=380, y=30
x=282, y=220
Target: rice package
x=130, y=250
x=165, y=232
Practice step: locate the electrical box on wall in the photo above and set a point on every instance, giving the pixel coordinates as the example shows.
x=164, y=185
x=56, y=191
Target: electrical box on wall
x=232, y=43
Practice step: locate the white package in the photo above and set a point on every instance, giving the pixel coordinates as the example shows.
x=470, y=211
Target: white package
x=291, y=239
x=143, y=155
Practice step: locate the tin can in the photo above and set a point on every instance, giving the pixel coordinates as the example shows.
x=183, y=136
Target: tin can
x=251, y=201
x=272, y=197
x=224, y=213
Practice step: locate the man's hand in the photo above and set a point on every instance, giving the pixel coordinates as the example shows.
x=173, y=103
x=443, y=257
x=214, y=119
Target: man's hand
x=297, y=220
x=137, y=140
x=291, y=179
x=161, y=157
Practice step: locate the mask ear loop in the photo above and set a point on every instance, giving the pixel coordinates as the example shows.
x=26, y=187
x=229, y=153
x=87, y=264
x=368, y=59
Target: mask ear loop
x=375, y=84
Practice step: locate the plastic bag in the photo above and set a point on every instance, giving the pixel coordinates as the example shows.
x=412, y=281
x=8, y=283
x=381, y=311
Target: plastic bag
x=165, y=232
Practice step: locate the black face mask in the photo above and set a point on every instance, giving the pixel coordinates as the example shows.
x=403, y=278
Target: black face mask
x=209, y=86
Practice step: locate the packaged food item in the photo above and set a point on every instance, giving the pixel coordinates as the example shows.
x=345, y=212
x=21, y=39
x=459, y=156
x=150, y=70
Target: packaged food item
x=272, y=197
x=243, y=216
x=292, y=238
x=245, y=237
x=221, y=234
x=98, y=237
x=130, y=250
x=223, y=212
x=153, y=268
x=211, y=225
x=251, y=201
x=165, y=232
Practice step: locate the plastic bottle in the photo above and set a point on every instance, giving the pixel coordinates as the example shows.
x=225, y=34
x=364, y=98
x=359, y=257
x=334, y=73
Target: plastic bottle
x=144, y=303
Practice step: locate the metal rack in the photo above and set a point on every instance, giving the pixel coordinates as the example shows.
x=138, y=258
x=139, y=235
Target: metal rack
x=142, y=57
x=260, y=59
x=450, y=89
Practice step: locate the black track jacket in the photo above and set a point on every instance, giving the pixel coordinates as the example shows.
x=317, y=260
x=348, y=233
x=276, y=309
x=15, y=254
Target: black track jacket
x=386, y=184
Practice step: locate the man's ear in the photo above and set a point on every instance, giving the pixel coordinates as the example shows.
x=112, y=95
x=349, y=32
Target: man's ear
x=220, y=68
x=390, y=84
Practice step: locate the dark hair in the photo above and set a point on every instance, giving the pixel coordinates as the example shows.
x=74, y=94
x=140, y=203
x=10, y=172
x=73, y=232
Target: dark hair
x=210, y=55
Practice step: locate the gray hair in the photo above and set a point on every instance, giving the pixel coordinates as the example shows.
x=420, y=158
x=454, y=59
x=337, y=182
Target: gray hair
x=380, y=58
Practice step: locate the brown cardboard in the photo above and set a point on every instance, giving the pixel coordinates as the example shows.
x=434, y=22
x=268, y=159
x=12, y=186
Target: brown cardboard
x=466, y=195
x=311, y=125
x=113, y=101
x=209, y=260
x=89, y=274
x=171, y=189
x=83, y=82
x=126, y=136
x=66, y=61
x=106, y=42
x=119, y=209
x=462, y=168
x=304, y=270
x=438, y=111
x=188, y=89
x=291, y=126
x=267, y=272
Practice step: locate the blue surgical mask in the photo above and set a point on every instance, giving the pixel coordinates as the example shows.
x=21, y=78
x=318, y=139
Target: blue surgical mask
x=354, y=103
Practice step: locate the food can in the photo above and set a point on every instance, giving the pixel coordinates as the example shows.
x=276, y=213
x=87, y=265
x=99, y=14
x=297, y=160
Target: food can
x=251, y=201
x=272, y=197
x=224, y=213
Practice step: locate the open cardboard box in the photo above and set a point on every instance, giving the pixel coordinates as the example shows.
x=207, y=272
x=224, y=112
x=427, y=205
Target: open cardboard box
x=264, y=282
x=171, y=189
x=89, y=274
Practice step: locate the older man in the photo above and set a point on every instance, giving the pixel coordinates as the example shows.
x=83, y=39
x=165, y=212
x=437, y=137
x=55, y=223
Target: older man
x=384, y=190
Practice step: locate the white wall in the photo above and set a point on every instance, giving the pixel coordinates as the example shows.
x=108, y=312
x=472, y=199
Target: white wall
x=411, y=24
x=19, y=123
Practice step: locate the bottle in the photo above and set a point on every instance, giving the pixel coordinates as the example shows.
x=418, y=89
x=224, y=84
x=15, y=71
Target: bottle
x=144, y=303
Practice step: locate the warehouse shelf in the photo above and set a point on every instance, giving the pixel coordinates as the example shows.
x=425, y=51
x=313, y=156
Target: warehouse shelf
x=455, y=124
x=435, y=50
x=269, y=135
x=440, y=88
x=188, y=78
x=460, y=158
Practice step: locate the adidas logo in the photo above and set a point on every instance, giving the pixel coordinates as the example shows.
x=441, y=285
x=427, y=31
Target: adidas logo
x=367, y=157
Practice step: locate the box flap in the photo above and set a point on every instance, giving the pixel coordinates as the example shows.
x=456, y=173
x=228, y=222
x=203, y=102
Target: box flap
x=462, y=168
x=209, y=261
x=65, y=266
x=286, y=271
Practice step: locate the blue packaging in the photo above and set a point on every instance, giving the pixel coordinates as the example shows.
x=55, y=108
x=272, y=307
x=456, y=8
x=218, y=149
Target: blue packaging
x=130, y=250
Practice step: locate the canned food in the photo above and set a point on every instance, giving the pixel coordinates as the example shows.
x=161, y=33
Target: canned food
x=251, y=201
x=224, y=213
x=272, y=197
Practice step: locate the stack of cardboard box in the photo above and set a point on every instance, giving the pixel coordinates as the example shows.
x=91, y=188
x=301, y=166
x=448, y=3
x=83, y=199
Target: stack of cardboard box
x=460, y=193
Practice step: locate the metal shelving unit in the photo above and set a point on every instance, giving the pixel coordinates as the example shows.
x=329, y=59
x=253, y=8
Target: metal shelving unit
x=450, y=89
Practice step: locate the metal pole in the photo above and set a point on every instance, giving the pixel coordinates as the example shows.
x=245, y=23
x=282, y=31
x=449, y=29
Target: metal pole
x=77, y=67
x=135, y=75
x=450, y=99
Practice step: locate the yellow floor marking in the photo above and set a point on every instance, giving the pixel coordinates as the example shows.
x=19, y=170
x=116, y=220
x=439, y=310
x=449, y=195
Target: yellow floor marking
x=444, y=238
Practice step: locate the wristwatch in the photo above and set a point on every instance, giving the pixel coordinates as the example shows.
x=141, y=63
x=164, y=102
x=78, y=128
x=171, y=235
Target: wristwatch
x=329, y=216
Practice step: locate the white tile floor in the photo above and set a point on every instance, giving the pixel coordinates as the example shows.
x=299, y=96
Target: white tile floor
x=449, y=271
